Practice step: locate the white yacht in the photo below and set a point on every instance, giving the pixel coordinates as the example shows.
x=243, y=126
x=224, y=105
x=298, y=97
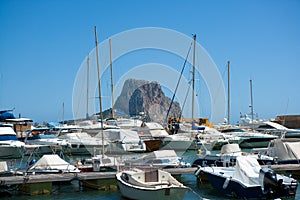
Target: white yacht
x=10, y=146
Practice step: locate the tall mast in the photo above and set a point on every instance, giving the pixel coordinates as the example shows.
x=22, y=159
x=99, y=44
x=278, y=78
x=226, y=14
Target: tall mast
x=63, y=113
x=228, y=98
x=193, y=78
x=99, y=90
x=251, y=105
x=87, y=85
x=111, y=80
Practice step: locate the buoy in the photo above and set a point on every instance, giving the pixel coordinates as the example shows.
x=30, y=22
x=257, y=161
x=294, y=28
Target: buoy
x=199, y=151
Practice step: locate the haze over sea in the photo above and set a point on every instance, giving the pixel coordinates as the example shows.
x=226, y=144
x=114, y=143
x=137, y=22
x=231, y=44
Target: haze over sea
x=43, y=44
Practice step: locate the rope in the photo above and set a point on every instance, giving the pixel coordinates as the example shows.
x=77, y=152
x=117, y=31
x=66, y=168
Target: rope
x=184, y=64
x=185, y=99
x=195, y=193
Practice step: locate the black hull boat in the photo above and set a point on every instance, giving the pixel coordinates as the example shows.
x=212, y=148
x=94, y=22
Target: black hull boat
x=247, y=180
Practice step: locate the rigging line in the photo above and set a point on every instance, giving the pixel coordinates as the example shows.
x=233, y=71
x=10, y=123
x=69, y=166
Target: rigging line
x=195, y=193
x=185, y=99
x=184, y=64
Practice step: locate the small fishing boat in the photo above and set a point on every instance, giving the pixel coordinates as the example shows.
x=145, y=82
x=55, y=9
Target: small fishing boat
x=247, y=180
x=157, y=184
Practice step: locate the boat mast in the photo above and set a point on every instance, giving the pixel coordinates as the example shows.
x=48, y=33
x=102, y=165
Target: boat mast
x=111, y=80
x=251, y=104
x=184, y=64
x=228, y=106
x=99, y=90
x=87, y=86
x=63, y=113
x=193, y=78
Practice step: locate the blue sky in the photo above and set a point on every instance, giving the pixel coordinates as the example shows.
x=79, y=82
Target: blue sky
x=43, y=44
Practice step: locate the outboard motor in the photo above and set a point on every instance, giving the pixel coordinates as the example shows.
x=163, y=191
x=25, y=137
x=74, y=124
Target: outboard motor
x=268, y=181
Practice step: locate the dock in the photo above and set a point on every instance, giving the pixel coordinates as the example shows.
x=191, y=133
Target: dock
x=42, y=183
x=82, y=176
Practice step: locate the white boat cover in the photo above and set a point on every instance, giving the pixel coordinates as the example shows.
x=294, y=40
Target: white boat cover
x=230, y=149
x=154, y=129
x=83, y=138
x=158, y=133
x=3, y=166
x=52, y=162
x=247, y=170
x=286, y=149
x=124, y=135
x=161, y=154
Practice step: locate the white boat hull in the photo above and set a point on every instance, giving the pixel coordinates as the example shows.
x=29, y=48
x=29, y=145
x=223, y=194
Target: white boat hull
x=174, y=193
x=149, y=185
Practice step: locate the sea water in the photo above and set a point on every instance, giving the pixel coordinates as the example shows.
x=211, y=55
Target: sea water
x=72, y=191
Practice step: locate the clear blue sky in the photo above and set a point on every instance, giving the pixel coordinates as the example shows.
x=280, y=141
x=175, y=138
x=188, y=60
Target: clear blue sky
x=43, y=43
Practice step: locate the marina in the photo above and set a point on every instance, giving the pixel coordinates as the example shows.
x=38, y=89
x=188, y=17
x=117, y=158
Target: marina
x=103, y=156
x=67, y=177
x=118, y=100
x=41, y=184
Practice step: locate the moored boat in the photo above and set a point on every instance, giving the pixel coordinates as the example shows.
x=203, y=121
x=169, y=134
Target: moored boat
x=284, y=150
x=82, y=143
x=160, y=159
x=278, y=129
x=47, y=142
x=157, y=184
x=99, y=163
x=227, y=157
x=52, y=164
x=247, y=180
x=10, y=147
x=250, y=139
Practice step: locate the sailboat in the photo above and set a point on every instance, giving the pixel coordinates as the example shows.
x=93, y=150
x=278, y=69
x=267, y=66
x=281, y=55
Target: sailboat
x=202, y=132
x=100, y=162
x=248, y=137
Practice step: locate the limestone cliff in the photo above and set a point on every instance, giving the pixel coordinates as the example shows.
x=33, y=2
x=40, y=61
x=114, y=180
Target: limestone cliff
x=142, y=96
